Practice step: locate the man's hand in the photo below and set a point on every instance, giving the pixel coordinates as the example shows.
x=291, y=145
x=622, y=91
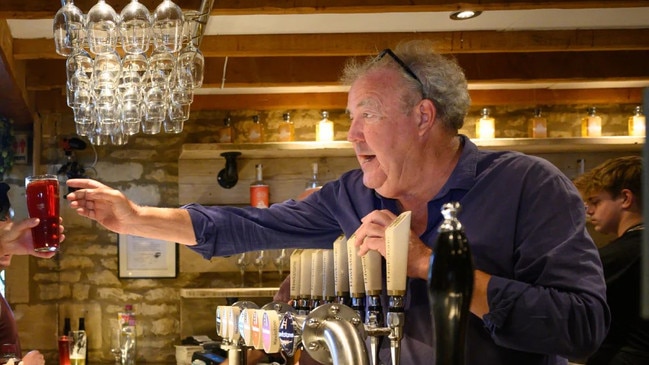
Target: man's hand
x=371, y=236
x=108, y=206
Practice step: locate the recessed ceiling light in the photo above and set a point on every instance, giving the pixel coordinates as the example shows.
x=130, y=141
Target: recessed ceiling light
x=465, y=14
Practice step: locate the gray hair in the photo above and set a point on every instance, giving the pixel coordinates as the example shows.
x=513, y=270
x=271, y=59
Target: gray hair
x=442, y=79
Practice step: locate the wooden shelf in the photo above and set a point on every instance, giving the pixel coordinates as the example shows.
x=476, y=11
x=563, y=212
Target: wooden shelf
x=198, y=293
x=345, y=149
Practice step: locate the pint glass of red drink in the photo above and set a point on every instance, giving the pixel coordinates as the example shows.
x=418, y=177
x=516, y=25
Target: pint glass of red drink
x=42, y=193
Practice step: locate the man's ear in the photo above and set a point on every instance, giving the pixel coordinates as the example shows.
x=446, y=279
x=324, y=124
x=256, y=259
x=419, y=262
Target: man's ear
x=629, y=198
x=427, y=114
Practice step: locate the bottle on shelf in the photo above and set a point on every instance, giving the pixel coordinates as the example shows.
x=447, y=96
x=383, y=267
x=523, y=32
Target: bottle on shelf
x=259, y=190
x=82, y=327
x=127, y=335
x=324, y=130
x=637, y=123
x=286, y=129
x=313, y=182
x=537, y=126
x=66, y=326
x=485, y=127
x=591, y=124
x=255, y=133
x=225, y=133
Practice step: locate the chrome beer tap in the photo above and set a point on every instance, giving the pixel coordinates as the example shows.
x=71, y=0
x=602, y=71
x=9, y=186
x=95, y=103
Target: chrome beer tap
x=334, y=334
x=356, y=285
x=397, y=238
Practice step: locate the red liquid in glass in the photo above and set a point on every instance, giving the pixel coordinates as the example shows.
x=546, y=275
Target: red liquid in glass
x=43, y=203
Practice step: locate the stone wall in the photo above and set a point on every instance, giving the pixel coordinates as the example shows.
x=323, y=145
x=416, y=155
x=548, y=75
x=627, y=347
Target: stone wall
x=82, y=279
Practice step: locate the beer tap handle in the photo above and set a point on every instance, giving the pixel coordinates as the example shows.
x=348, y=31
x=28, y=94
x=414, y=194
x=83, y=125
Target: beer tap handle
x=328, y=282
x=356, y=285
x=371, y=263
x=397, y=238
x=317, y=277
x=305, y=281
x=294, y=274
x=341, y=270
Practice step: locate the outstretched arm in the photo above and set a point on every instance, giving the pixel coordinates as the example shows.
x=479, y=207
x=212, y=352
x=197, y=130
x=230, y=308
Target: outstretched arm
x=113, y=210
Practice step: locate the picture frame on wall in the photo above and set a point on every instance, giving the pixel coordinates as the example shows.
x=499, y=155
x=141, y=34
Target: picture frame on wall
x=140, y=258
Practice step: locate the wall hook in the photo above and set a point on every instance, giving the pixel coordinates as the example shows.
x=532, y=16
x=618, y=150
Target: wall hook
x=228, y=177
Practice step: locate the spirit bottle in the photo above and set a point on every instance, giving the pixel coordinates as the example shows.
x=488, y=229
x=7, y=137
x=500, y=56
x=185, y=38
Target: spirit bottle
x=324, y=130
x=591, y=125
x=450, y=287
x=255, y=132
x=637, y=123
x=486, y=126
x=259, y=191
x=537, y=126
x=127, y=335
x=313, y=182
x=286, y=129
x=225, y=133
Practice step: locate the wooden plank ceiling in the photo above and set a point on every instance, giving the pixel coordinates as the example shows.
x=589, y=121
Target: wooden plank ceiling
x=32, y=75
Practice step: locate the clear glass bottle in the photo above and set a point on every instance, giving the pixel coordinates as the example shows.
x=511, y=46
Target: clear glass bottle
x=255, y=131
x=82, y=327
x=127, y=335
x=286, y=130
x=313, y=182
x=259, y=190
x=637, y=123
x=591, y=124
x=485, y=127
x=324, y=130
x=537, y=126
x=225, y=133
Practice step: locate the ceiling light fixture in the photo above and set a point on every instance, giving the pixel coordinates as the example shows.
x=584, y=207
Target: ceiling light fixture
x=464, y=14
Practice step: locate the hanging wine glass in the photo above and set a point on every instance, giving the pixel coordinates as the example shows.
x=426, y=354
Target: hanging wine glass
x=135, y=28
x=101, y=27
x=168, y=26
x=191, y=65
x=68, y=28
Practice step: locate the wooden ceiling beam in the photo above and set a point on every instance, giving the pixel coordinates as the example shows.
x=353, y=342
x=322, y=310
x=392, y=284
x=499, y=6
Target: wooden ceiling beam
x=324, y=71
x=35, y=9
x=54, y=101
x=282, y=45
x=13, y=98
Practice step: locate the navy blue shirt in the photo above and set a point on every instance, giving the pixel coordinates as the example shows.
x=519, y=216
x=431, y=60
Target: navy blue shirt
x=525, y=223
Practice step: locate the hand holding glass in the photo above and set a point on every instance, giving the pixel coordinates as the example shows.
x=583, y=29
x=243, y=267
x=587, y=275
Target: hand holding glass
x=42, y=193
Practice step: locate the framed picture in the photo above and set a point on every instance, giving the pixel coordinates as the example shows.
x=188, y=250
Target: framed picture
x=140, y=257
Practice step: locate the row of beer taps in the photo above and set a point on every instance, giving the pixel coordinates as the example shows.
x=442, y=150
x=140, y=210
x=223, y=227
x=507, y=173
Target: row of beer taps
x=336, y=305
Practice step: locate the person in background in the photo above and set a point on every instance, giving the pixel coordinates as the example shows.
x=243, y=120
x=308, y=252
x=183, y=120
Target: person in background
x=612, y=192
x=16, y=238
x=539, y=294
